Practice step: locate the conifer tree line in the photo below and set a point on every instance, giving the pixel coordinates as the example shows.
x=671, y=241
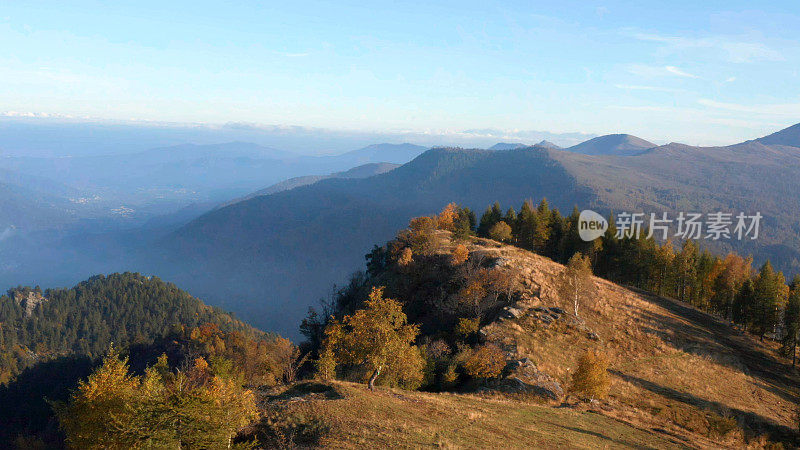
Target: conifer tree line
x=757, y=300
x=124, y=308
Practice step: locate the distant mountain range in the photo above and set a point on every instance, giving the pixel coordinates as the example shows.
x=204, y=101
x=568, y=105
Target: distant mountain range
x=272, y=256
x=390, y=153
x=363, y=171
x=512, y=146
x=164, y=180
x=302, y=223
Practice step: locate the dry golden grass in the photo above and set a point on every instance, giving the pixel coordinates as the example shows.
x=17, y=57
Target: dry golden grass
x=673, y=366
x=359, y=418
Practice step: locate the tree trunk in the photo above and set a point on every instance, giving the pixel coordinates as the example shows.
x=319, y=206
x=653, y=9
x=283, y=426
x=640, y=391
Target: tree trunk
x=373, y=378
x=576, y=304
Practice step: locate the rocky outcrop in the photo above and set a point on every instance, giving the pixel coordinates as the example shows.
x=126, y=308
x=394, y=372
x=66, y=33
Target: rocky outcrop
x=29, y=300
x=525, y=378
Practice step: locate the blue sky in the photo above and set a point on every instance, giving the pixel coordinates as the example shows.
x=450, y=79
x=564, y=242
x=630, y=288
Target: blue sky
x=697, y=72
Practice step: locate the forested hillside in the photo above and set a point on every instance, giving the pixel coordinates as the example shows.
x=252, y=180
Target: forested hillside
x=49, y=340
x=125, y=309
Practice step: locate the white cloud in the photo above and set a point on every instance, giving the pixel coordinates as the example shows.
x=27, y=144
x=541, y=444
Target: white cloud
x=730, y=79
x=658, y=71
x=733, y=49
x=679, y=72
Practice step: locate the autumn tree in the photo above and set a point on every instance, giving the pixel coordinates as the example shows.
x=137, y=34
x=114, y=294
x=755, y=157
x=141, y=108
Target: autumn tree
x=162, y=409
x=419, y=234
x=486, y=361
x=100, y=413
x=284, y=358
x=662, y=262
x=377, y=339
x=500, y=232
x=591, y=379
x=685, y=267
x=575, y=281
x=481, y=290
x=446, y=220
x=460, y=254
x=735, y=270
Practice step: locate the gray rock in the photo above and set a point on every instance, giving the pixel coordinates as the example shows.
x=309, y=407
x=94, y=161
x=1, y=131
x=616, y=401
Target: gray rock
x=29, y=301
x=499, y=262
x=525, y=378
x=514, y=312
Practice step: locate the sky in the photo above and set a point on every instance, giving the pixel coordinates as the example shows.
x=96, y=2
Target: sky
x=703, y=73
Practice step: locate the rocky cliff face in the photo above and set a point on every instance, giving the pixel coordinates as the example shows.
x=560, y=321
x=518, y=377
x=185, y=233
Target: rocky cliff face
x=28, y=300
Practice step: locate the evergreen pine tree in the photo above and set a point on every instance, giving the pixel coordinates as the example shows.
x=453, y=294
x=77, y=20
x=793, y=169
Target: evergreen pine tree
x=526, y=226
x=791, y=321
x=769, y=294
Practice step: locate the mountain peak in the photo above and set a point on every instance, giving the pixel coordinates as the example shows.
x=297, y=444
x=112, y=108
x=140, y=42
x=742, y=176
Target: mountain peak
x=507, y=146
x=788, y=136
x=548, y=144
x=612, y=144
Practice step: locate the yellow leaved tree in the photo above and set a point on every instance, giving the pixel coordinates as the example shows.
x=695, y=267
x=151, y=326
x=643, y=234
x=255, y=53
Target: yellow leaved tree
x=161, y=409
x=378, y=340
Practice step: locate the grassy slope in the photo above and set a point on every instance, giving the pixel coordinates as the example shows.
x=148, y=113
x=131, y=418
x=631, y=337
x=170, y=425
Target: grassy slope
x=680, y=377
x=358, y=418
x=674, y=368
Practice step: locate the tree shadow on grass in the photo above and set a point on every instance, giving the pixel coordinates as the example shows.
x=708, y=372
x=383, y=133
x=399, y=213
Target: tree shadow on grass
x=602, y=436
x=705, y=335
x=752, y=422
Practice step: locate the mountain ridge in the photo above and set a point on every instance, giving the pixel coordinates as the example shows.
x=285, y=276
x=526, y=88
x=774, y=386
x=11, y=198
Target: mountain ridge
x=612, y=144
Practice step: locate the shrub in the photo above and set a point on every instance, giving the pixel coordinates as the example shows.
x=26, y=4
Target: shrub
x=406, y=257
x=486, y=361
x=500, y=232
x=449, y=376
x=460, y=255
x=467, y=327
x=591, y=379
